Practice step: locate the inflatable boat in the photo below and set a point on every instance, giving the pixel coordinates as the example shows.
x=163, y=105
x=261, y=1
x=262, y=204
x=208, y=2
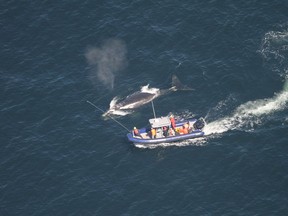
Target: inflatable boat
x=160, y=130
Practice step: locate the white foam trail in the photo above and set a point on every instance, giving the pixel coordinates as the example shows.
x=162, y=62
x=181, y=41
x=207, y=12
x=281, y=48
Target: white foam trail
x=191, y=142
x=248, y=114
x=274, y=50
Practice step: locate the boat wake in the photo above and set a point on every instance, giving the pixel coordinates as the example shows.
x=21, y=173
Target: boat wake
x=274, y=49
x=249, y=115
x=190, y=142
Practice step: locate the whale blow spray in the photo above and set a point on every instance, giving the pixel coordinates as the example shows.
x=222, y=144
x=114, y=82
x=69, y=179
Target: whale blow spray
x=106, y=61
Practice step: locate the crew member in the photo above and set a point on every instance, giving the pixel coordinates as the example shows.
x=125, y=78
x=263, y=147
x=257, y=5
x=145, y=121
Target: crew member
x=171, y=132
x=185, y=129
x=136, y=132
x=172, y=120
x=165, y=131
x=153, y=133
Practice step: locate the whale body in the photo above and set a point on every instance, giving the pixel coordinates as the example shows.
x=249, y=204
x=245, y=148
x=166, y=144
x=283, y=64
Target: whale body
x=139, y=98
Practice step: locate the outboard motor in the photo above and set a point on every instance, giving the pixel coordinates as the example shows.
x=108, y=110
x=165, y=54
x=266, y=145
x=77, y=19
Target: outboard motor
x=199, y=124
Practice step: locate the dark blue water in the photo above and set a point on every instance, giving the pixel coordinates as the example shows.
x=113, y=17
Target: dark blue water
x=59, y=156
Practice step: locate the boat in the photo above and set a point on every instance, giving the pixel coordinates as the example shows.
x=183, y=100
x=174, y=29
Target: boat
x=195, y=129
x=165, y=130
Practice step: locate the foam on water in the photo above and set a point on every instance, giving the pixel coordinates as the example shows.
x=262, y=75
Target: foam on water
x=274, y=51
x=191, y=142
x=249, y=114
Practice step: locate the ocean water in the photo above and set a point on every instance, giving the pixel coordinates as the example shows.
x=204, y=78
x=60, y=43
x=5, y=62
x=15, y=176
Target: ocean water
x=60, y=156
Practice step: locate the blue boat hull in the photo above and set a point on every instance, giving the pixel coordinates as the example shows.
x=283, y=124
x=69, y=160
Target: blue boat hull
x=148, y=140
x=194, y=134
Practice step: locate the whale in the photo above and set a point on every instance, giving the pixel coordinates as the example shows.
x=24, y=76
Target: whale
x=143, y=96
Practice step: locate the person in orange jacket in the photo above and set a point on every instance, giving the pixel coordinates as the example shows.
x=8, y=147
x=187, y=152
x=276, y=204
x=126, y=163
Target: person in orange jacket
x=153, y=133
x=185, y=130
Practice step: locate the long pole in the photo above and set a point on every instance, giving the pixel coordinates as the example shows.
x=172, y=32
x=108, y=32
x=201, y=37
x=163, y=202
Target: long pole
x=153, y=109
x=109, y=116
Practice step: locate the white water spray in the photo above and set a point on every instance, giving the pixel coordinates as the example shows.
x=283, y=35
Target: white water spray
x=201, y=141
x=249, y=114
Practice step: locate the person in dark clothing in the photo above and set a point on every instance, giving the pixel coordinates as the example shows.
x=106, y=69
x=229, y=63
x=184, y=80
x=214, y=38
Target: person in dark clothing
x=165, y=131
